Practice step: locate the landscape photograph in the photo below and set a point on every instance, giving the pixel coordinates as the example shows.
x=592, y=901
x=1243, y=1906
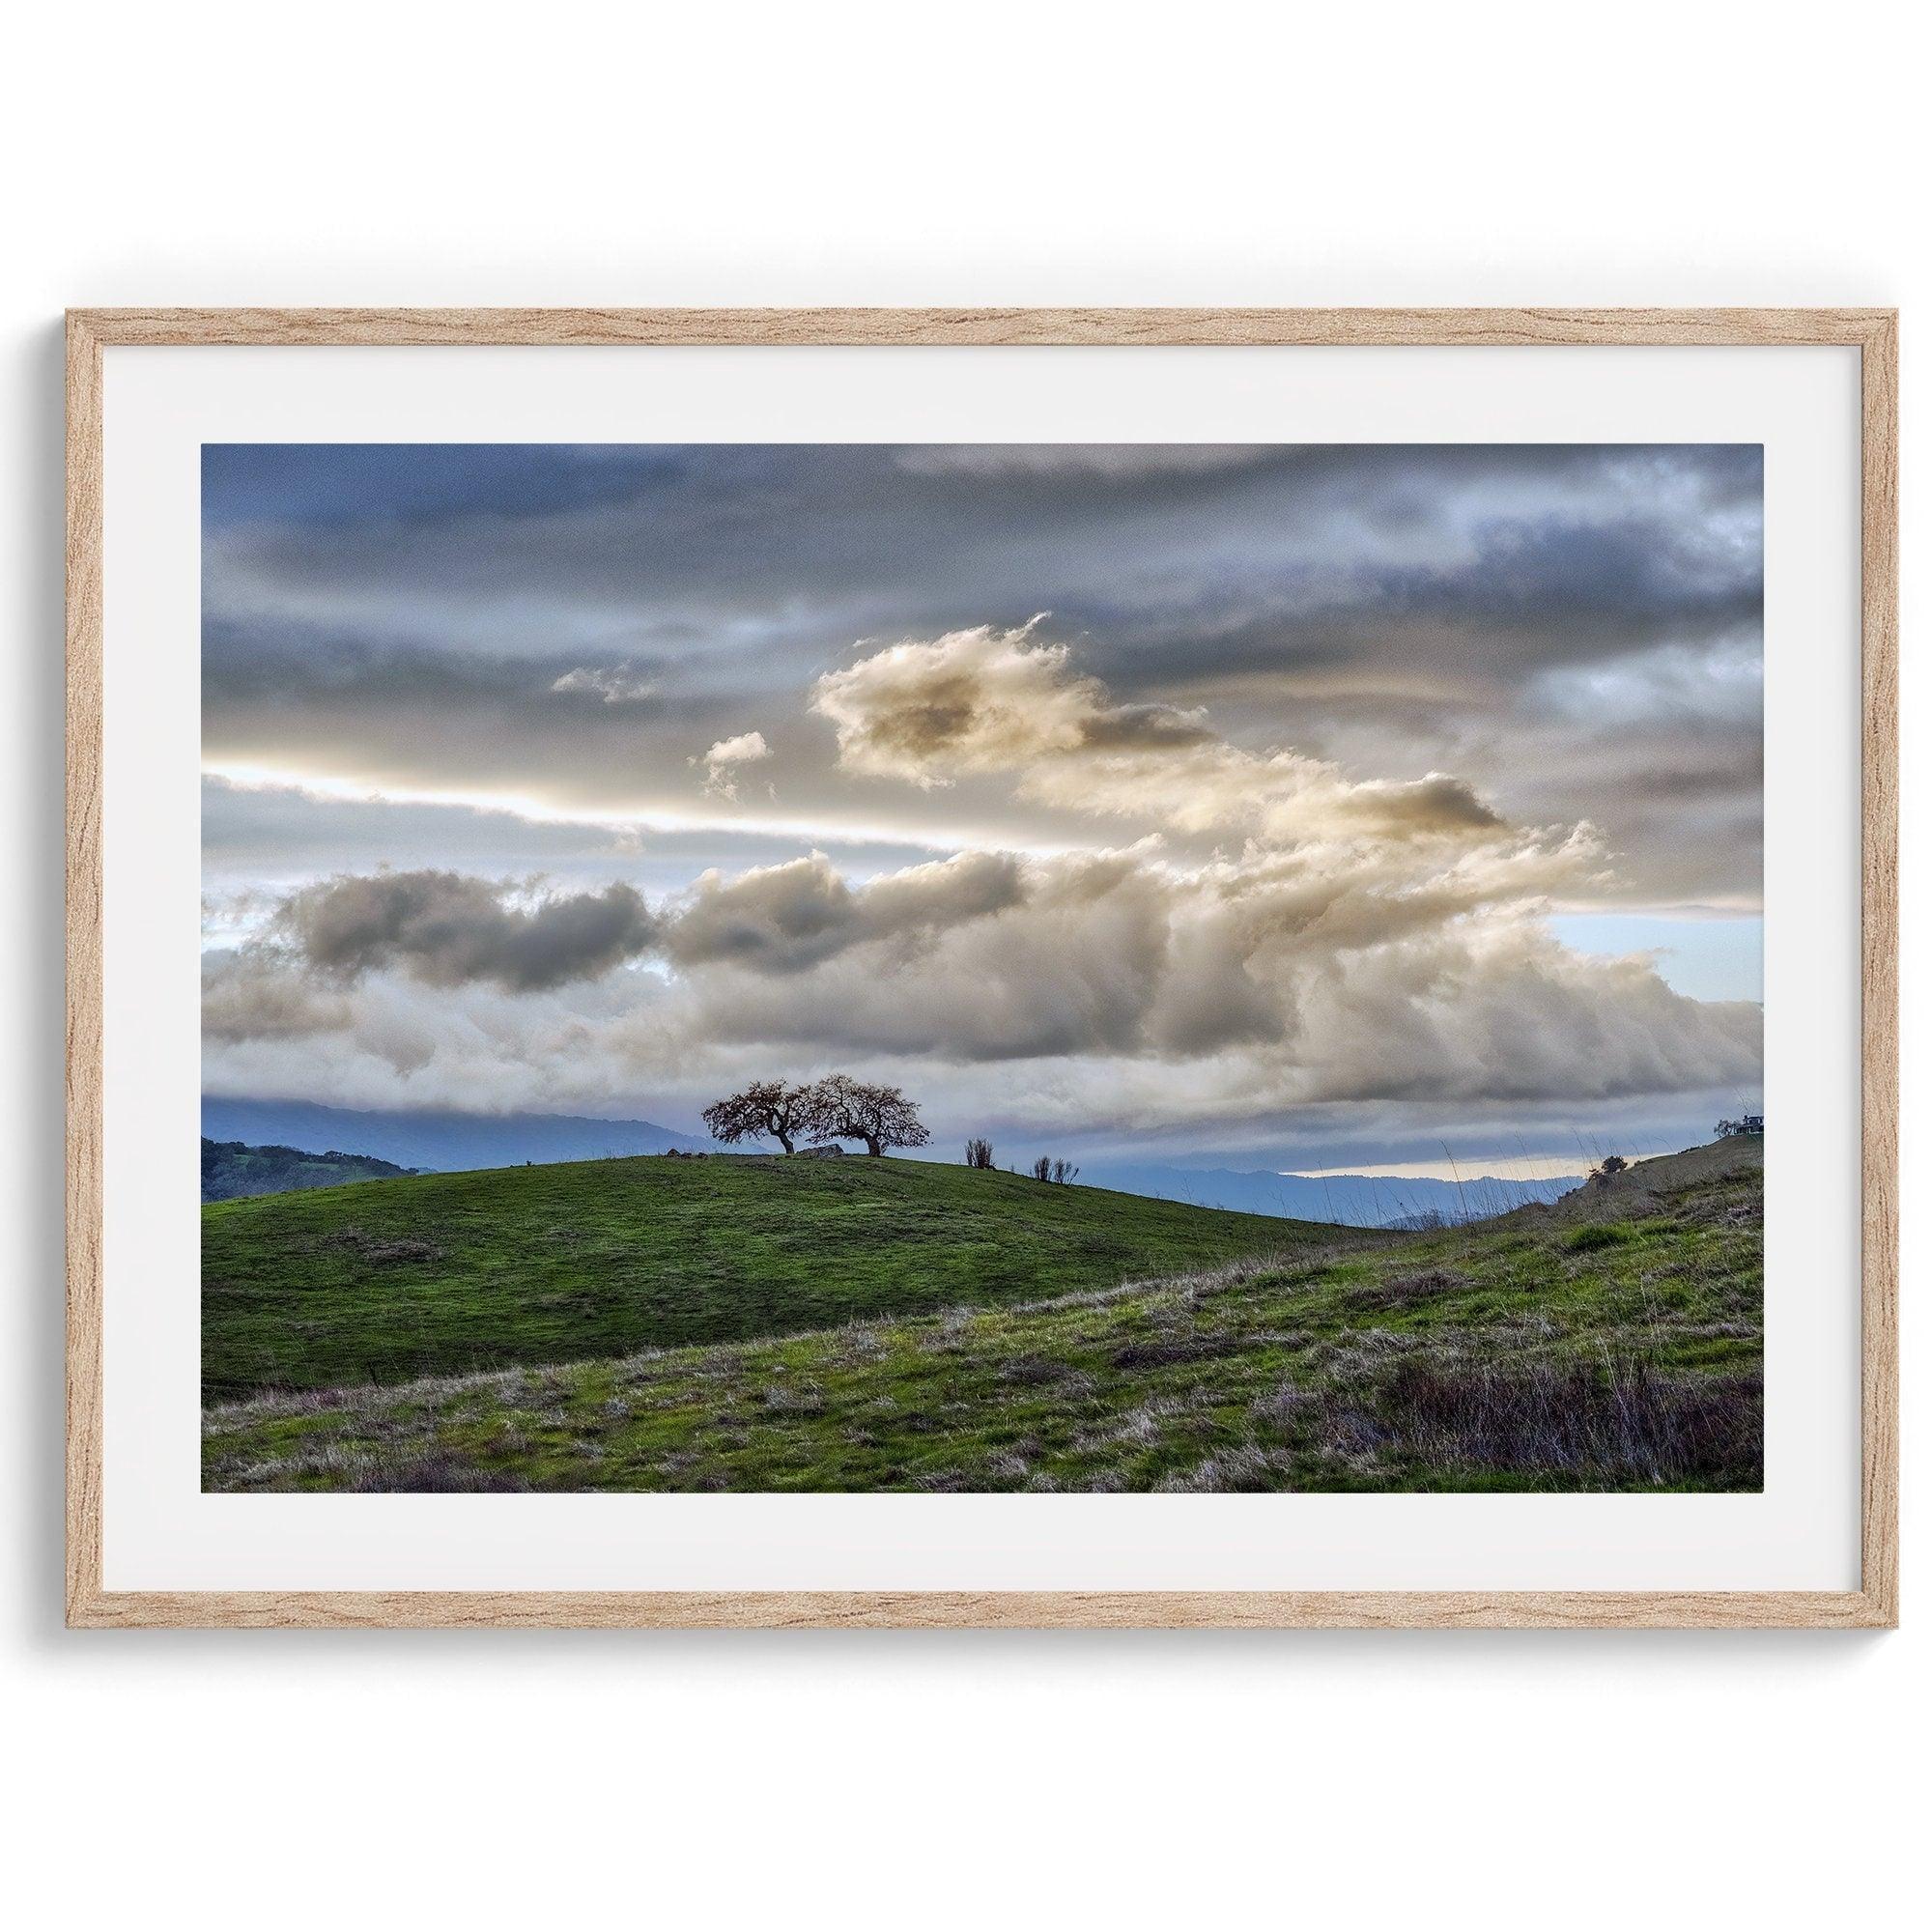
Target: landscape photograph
x=964, y=968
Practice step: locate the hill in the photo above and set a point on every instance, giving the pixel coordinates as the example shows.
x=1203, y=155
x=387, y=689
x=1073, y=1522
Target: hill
x=445, y=1142
x=444, y=1274
x=437, y=1139
x=1646, y=1186
x=1615, y=1353
x=230, y=1169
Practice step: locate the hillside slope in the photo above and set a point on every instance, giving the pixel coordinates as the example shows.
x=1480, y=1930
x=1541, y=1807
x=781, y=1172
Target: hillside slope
x=1646, y=1185
x=448, y=1273
x=1613, y=1354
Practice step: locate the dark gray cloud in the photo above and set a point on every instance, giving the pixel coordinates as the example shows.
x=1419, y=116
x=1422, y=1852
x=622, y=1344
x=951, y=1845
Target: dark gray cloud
x=1526, y=598
x=787, y=919
x=813, y=545
x=448, y=930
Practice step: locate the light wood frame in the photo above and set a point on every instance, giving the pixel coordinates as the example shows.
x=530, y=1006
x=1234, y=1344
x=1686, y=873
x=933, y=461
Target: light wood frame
x=1873, y=332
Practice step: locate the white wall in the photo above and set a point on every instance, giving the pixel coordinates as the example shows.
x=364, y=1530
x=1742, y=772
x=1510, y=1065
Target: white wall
x=358, y=153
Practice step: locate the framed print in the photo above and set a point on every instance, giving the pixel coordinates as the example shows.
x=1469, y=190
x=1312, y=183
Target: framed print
x=1003, y=967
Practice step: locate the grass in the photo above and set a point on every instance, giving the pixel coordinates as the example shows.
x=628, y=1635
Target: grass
x=1505, y=1356
x=442, y=1274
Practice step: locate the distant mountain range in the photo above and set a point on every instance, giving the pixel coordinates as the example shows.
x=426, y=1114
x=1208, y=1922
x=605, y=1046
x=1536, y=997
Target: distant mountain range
x=1356, y=1199
x=445, y=1142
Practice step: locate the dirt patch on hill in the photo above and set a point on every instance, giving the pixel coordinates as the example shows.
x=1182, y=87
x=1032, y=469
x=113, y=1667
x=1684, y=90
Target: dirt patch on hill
x=385, y=1250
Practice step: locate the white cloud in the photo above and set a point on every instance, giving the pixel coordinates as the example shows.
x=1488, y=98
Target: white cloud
x=618, y=684
x=982, y=700
x=721, y=761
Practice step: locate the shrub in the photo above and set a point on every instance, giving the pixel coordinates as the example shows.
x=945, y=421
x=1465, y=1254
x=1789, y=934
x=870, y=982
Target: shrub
x=1627, y=1419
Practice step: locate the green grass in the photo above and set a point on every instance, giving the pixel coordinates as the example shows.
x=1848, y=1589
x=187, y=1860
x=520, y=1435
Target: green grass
x=440, y=1274
x=1504, y=1357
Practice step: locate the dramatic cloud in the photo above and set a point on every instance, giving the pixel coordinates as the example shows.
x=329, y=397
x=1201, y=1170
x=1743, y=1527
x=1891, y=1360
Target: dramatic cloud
x=1109, y=999
x=989, y=700
x=446, y=929
x=1279, y=981
x=981, y=700
x=1120, y=954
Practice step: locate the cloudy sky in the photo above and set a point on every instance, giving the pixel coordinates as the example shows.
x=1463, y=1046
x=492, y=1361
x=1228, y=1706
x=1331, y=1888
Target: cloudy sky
x=1305, y=807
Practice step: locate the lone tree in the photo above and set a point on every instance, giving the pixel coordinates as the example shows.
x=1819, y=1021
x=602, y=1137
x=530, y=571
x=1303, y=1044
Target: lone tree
x=979, y=1152
x=881, y=1117
x=770, y=1110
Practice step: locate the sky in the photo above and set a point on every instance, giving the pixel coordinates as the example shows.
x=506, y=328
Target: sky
x=1315, y=806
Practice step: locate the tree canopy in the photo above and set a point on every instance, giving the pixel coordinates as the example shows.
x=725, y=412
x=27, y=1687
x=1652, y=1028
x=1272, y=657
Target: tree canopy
x=837, y=1108
x=769, y=1110
x=881, y=1117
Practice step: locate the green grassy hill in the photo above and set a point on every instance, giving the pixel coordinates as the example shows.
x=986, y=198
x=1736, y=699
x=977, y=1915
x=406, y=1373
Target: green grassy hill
x=443, y=1274
x=1536, y=1353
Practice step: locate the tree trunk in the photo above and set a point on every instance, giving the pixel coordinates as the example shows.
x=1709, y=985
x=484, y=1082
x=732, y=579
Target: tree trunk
x=872, y=1146
x=784, y=1140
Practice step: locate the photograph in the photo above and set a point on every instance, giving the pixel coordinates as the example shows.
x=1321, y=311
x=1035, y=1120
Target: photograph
x=946, y=967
